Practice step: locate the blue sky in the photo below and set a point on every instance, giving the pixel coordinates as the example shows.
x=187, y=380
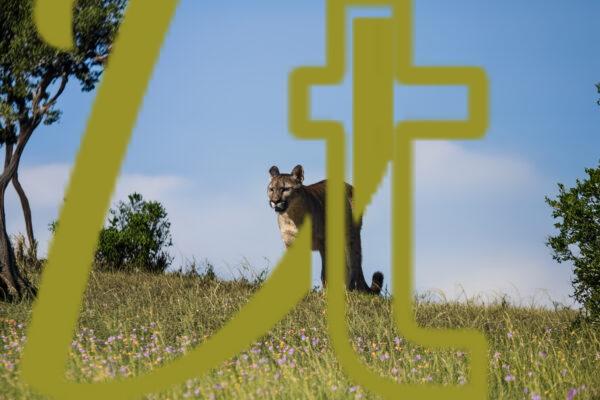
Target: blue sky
x=215, y=119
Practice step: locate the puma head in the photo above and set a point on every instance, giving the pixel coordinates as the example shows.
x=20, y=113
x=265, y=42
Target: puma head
x=284, y=187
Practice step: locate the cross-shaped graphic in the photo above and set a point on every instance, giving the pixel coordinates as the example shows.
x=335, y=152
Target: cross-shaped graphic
x=383, y=55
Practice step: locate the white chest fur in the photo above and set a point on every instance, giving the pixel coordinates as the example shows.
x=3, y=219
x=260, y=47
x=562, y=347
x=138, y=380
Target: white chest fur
x=288, y=228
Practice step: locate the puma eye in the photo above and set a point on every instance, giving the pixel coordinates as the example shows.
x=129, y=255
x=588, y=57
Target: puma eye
x=287, y=189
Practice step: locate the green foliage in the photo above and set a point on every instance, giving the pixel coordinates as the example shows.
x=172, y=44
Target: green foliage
x=29, y=68
x=137, y=237
x=577, y=211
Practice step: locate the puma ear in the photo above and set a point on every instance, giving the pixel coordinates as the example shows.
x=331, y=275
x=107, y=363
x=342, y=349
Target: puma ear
x=274, y=171
x=298, y=173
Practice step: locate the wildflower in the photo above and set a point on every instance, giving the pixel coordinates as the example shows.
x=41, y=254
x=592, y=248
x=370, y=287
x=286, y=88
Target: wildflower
x=535, y=396
x=509, y=378
x=353, y=389
x=397, y=341
x=571, y=394
x=394, y=371
x=543, y=354
x=418, y=357
x=497, y=355
x=509, y=334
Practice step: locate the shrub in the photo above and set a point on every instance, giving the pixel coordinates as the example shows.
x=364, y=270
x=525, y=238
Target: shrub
x=577, y=211
x=136, y=238
x=26, y=255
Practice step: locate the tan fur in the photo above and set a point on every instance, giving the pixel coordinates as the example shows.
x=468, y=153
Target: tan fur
x=293, y=201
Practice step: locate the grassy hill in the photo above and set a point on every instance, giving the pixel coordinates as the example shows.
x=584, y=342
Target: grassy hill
x=131, y=323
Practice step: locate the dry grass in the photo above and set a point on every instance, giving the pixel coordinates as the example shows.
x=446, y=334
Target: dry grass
x=131, y=323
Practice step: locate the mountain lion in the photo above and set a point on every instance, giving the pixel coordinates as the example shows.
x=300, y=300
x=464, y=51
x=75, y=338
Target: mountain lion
x=292, y=201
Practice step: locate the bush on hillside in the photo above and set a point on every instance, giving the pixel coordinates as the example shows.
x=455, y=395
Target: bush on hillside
x=137, y=237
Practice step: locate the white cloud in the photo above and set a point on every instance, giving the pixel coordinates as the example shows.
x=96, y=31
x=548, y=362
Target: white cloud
x=525, y=276
x=449, y=167
x=45, y=186
x=151, y=187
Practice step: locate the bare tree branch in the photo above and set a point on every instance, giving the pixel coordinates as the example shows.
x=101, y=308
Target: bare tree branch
x=61, y=89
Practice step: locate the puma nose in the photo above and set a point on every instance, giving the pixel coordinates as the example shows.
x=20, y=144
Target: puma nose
x=280, y=206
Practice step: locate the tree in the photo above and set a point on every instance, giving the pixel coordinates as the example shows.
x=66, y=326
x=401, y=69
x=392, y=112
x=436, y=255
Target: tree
x=33, y=76
x=577, y=211
x=137, y=237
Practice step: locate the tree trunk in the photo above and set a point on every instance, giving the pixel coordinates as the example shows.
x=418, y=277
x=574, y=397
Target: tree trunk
x=13, y=285
x=22, y=196
x=26, y=210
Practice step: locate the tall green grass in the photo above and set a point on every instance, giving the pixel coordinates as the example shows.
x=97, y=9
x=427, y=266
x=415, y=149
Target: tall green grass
x=131, y=323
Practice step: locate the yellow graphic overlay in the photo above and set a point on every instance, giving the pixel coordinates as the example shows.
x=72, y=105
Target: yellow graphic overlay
x=382, y=49
x=385, y=49
x=92, y=182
